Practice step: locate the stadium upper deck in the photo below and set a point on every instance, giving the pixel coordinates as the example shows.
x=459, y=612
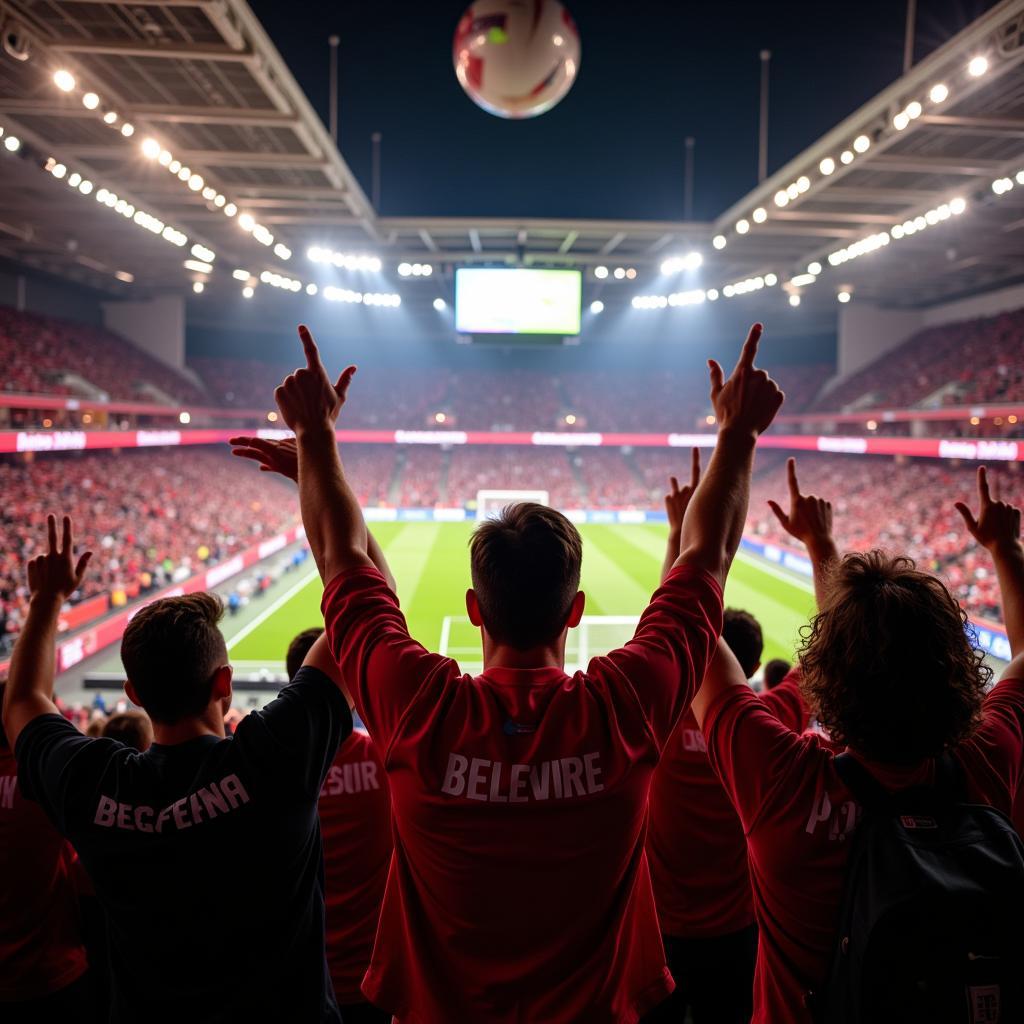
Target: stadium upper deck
x=205, y=83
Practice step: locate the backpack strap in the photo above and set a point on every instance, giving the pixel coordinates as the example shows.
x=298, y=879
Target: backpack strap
x=867, y=790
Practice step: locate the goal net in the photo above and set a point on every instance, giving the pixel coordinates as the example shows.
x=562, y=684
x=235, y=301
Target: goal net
x=490, y=503
x=595, y=635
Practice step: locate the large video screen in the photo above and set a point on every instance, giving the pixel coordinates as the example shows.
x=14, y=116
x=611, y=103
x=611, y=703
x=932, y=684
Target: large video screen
x=500, y=300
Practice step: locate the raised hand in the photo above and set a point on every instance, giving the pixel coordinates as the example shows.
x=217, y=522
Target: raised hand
x=678, y=497
x=56, y=575
x=278, y=456
x=307, y=398
x=749, y=399
x=809, y=519
x=998, y=524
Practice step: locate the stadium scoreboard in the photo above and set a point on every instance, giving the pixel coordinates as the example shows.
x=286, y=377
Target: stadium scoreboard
x=518, y=301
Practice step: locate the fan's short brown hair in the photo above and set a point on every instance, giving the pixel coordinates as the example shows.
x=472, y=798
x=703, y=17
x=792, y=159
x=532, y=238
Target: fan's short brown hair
x=526, y=571
x=299, y=648
x=170, y=652
x=742, y=632
x=132, y=728
x=887, y=663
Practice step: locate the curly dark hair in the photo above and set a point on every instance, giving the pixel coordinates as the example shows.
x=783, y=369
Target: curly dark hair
x=887, y=664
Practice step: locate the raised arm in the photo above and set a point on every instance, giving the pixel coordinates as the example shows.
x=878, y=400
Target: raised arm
x=723, y=672
x=280, y=455
x=809, y=521
x=997, y=529
x=319, y=657
x=745, y=406
x=676, y=502
x=310, y=404
x=52, y=579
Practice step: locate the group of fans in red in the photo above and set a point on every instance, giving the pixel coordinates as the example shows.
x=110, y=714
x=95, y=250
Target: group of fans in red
x=646, y=840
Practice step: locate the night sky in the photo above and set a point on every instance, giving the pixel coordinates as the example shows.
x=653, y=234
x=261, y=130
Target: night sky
x=651, y=74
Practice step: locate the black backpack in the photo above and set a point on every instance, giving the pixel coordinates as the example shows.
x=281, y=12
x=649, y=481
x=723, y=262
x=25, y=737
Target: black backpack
x=932, y=923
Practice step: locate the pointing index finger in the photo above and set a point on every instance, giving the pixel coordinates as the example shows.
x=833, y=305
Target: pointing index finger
x=749, y=350
x=794, y=486
x=309, y=347
x=983, y=492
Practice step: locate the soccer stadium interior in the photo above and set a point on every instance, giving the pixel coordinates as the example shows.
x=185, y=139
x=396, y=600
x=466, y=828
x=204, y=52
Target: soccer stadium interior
x=173, y=204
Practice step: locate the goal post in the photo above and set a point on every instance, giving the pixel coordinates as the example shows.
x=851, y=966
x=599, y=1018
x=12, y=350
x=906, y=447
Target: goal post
x=595, y=635
x=490, y=503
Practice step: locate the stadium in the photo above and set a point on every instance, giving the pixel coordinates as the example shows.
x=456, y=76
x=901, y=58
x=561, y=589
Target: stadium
x=182, y=185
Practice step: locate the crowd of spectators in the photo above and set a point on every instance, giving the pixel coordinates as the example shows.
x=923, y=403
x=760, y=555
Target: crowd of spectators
x=38, y=352
x=905, y=507
x=968, y=362
x=487, y=468
x=371, y=469
x=505, y=399
x=954, y=364
x=151, y=517
x=902, y=505
x=190, y=509
x=609, y=480
x=402, y=399
x=508, y=398
x=421, y=480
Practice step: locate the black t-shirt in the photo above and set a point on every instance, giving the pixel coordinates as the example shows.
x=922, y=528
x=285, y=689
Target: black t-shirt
x=206, y=856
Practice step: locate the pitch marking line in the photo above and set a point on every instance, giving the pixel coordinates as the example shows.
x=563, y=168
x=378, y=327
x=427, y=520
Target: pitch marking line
x=766, y=567
x=271, y=609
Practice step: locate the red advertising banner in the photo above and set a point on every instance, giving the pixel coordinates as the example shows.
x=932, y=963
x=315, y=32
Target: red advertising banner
x=80, y=614
x=972, y=449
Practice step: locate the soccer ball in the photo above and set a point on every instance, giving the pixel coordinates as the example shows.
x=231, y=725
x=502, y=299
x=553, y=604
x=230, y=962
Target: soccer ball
x=516, y=58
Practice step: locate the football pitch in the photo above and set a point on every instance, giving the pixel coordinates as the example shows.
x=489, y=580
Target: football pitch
x=621, y=565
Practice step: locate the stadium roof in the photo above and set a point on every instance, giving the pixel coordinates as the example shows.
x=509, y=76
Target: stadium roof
x=202, y=79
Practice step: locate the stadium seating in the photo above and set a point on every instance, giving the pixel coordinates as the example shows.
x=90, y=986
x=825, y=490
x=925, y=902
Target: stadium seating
x=610, y=481
x=402, y=399
x=975, y=361
x=474, y=469
x=908, y=511
x=37, y=353
x=150, y=517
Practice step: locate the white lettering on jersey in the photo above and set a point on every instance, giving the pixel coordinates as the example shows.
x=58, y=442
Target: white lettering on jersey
x=497, y=783
x=693, y=740
x=354, y=777
x=842, y=820
x=207, y=803
x=8, y=783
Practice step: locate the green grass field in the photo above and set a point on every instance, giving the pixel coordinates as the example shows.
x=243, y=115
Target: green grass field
x=621, y=563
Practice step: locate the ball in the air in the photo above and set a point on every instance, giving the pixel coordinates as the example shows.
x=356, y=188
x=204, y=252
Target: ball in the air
x=516, y=58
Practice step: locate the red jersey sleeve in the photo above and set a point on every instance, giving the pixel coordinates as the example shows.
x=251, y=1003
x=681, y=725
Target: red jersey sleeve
x=994, y=755
x=664, y=663
x=786, y=702
x=751, y=751
x=382, y=666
